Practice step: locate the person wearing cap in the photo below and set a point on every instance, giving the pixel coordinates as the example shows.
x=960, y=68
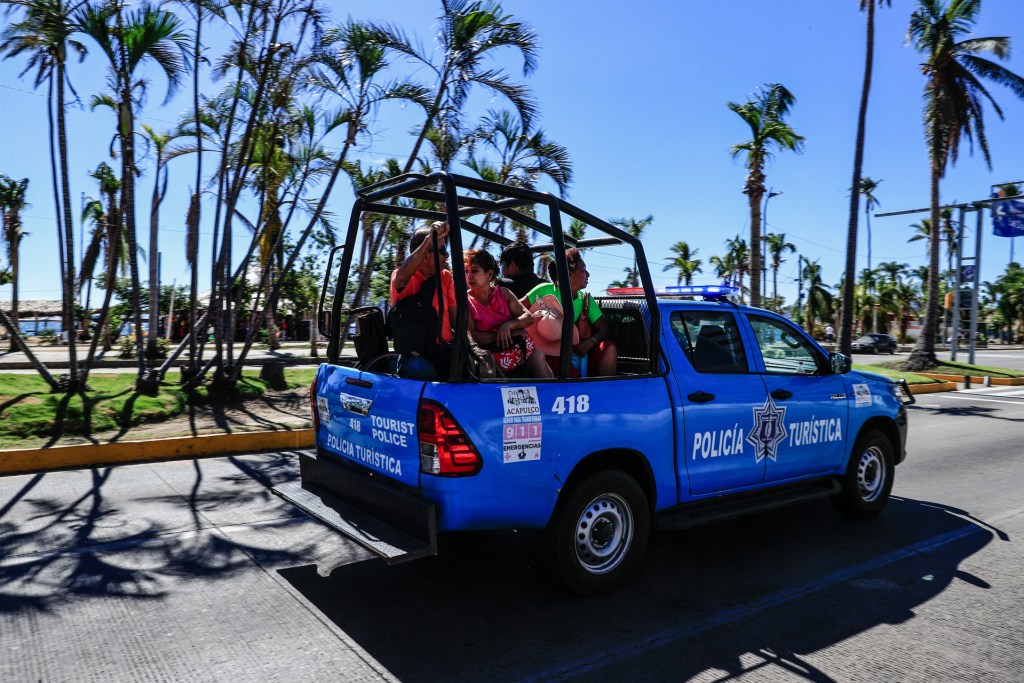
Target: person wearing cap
x=416, y=329
x=596, y=354
x=517, y=269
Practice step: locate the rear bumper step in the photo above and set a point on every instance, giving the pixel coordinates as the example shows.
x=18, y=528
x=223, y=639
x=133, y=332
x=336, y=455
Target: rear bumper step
x=728, y=507
x=391, y=523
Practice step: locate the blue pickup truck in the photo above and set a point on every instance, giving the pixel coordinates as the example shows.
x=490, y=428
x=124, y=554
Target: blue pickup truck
x=716, y=410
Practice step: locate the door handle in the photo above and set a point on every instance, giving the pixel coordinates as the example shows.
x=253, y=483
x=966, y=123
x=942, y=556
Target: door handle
x=782, y=394
x=701, y=397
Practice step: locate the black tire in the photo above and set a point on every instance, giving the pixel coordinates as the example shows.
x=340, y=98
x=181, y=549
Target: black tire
x=867, y=483
x=597, y=537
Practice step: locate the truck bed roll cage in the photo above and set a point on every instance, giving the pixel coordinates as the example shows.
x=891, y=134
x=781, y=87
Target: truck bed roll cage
x=450, y=194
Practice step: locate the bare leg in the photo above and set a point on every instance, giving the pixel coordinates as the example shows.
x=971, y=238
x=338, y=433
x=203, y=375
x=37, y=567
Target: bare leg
x=609, y=364
x=538, y=366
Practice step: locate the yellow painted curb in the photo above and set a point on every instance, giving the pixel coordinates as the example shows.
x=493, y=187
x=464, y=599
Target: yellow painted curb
x=1006, y=381
x=932, y=388
x=1002, y=381
x=126, y=452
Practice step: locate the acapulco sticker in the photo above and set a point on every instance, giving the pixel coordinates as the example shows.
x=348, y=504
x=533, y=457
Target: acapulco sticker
x=769, y=430
x=521, y=431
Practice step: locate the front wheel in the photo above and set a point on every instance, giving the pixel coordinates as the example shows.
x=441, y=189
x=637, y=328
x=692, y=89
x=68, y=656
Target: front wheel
x=596, y=540
x=869, y=476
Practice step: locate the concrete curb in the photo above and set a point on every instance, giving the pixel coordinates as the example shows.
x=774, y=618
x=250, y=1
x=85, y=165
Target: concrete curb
x=976, y=379
x=932, y=388
x=129, y=452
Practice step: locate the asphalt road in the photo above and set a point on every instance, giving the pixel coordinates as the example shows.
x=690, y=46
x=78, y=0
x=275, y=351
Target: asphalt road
x=192, y=571
x=991, y=357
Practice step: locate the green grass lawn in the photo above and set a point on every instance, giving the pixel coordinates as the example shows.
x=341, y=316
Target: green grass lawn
x=949, y=367
x=28, y=409
x=882, y=369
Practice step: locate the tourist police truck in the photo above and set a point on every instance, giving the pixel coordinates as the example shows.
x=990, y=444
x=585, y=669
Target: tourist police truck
x=716, y=410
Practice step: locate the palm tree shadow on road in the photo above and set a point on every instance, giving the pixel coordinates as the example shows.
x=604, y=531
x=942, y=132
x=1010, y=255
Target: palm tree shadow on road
x=775, y=588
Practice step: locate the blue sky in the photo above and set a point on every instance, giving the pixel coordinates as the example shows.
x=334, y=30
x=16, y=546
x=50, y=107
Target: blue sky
x=638, y=97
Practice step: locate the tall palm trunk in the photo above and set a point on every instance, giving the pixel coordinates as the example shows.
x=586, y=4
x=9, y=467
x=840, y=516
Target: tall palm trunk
x=127, y=125
x=755, y=191
x=431, y=115
x=923, y=355
x=194, y=206
x=846, y=327
x=775, y=286
x=69, y=238
x=154, y=261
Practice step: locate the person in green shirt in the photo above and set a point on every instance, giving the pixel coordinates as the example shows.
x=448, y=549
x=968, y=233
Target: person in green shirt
x=597, y=355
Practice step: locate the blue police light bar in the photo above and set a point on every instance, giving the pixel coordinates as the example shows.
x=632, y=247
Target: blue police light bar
x=706, y=292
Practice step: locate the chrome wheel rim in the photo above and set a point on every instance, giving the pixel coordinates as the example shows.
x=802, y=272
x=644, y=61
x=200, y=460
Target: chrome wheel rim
x=871, y=474
x=604, y=533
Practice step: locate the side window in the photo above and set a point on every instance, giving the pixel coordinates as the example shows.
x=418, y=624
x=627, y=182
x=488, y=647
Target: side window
x=711, y=340
x=785, y=351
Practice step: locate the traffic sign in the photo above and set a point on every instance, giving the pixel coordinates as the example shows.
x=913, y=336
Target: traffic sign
x=967, y=273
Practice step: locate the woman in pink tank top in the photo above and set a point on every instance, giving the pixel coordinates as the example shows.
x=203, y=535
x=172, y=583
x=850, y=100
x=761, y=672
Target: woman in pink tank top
x=498, y=320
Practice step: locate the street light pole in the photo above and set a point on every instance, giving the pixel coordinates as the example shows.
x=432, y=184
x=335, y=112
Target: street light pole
x=764, y=244
x=799, y=290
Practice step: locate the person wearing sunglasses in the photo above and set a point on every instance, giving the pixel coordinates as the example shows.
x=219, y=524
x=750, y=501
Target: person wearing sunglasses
x=418, y=334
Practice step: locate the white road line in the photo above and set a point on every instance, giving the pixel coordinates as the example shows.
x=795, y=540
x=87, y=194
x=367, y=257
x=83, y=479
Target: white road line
x=978, y=398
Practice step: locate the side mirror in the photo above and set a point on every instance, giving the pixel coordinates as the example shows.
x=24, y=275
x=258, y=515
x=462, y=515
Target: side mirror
x=840, y=363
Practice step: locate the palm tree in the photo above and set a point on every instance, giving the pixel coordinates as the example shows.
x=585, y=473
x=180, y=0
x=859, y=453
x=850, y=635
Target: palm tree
x=469, y=33
x=777, y=246
x=905, y=299
x=819, y=297
x=160, y=142
x=893, y=271
x=635, y=228
x=127, y=40
x=577, y=230
x=348, y=62
x=45, y=33
x=723, y=268
x=524, y=156
x=948, y=234
x=192, y=217
x=684, y=262
x=738, y=255
x=867, y=188
x=12, y=203
x=953, y=108
x=765, y=115
x=845, y=327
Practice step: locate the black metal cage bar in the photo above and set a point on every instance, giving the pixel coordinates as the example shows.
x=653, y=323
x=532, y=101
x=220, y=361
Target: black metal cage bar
x=444, y=190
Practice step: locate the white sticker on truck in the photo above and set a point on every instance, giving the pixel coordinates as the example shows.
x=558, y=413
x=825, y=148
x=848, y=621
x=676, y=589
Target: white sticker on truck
x=521, y=431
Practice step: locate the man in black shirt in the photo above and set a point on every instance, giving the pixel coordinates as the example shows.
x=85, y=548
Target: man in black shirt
x=517, y=269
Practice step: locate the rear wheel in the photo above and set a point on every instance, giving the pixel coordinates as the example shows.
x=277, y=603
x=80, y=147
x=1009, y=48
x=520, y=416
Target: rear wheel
x=869, y=476
x=596, y=540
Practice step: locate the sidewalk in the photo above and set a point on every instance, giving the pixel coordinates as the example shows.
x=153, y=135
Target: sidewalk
x=56, y=357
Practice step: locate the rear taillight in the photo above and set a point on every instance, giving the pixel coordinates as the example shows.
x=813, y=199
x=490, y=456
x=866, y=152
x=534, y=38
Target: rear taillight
x=445, y=450
x=313, y=407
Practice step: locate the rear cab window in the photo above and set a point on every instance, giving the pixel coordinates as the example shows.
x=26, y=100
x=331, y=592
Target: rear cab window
x=710, y=340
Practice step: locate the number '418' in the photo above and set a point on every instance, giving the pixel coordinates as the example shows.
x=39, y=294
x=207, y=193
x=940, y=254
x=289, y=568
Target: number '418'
x=574, y=404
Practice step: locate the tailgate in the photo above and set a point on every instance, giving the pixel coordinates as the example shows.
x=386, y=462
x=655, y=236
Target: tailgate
x=370, y=420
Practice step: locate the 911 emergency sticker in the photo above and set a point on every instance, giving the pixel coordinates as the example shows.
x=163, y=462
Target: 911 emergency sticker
x=862, y=394
x=522, y=429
